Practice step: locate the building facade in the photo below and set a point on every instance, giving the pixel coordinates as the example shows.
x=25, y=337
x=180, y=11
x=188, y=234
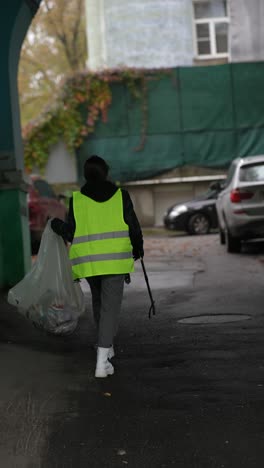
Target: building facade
x=172, y=33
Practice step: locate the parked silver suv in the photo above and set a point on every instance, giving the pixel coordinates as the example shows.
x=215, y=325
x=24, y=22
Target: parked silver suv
x=240, y=205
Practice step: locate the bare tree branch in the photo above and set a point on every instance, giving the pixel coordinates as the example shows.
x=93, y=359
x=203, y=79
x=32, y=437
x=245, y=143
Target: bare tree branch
x=42, y=69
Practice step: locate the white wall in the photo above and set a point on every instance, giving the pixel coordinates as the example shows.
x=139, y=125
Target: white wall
x=139, y=33
x=95, y=31
x=246, y=30
x=61, y=167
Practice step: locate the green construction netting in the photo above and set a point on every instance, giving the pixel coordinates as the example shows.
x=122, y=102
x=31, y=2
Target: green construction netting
x=206, y=98
x=248, y=94
x=199, y=116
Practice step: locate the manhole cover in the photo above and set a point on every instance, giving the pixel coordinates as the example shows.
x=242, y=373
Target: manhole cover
x=221, y=318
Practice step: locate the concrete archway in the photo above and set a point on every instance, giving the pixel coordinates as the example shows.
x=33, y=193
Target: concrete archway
x=14, y=231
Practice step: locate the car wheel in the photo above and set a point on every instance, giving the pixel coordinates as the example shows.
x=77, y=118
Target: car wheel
x=233, y=244
x=222, y=237
x=198, y=224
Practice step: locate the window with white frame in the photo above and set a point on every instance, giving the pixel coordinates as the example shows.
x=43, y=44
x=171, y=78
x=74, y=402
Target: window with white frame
x=211, y=28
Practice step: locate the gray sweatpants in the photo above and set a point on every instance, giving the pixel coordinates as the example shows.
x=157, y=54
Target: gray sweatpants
x=107, y=294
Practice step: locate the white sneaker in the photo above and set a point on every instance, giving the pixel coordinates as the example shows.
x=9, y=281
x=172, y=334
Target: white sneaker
x=111, y=352
x=103, y=366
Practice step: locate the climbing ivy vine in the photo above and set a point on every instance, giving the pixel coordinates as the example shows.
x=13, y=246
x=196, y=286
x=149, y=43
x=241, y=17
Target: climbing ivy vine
x=84, y=100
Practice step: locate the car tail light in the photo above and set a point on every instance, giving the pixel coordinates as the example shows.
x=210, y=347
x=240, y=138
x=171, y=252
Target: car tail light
x=237, y=196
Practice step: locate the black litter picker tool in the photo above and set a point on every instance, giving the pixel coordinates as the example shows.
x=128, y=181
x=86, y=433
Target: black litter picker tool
x=152, y=310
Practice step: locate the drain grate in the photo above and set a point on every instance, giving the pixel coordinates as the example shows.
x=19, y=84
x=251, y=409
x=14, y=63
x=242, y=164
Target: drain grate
x=217, y=318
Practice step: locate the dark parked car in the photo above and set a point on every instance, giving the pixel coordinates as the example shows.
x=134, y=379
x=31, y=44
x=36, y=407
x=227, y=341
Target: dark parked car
x=197, y=216
x=43, y=204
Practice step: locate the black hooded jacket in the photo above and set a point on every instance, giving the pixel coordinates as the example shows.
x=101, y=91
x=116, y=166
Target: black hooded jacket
x=101, y=192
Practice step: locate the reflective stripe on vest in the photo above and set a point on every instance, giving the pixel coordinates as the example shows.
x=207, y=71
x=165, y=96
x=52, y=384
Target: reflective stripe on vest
x=100, y=257
x=103, y=235
x=101, y=243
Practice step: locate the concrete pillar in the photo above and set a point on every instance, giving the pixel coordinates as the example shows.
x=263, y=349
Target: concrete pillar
x=14, y=233
x=14, y=230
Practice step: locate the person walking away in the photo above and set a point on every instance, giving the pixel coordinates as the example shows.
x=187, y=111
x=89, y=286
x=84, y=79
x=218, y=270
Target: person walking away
x=106, y=238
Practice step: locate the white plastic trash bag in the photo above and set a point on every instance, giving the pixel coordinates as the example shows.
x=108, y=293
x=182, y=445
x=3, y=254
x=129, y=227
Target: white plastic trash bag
x=47, y=295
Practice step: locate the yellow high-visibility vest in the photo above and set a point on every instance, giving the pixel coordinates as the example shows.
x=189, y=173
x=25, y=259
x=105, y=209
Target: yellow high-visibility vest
x=101, y=243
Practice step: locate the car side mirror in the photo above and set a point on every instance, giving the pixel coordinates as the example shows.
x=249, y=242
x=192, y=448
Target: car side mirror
x=218, y=186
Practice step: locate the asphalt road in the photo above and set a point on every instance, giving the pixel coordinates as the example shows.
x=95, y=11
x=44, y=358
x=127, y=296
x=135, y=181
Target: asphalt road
x=188, y=389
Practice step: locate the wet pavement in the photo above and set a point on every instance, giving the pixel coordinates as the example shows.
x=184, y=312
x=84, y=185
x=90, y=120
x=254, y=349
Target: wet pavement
x=187, y=392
